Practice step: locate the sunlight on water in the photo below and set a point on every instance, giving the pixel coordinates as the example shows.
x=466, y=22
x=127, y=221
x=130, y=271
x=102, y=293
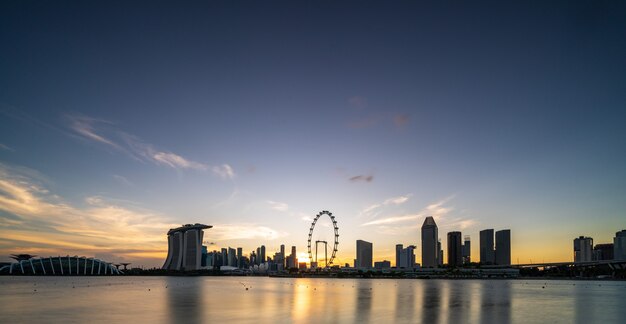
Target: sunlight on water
x=260, y=299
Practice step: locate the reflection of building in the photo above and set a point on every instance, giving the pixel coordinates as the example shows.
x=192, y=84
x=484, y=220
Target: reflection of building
x=487, y=253
x=430, y=251
x=503, y=247
x=185, y=247
x=619, y=245
x=583, y=249
x=405, y=257
x=455, y=256
x=363, y=255
x=61, y=266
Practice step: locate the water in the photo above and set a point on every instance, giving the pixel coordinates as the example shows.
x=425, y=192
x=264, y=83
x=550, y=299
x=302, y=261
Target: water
x=222, y=299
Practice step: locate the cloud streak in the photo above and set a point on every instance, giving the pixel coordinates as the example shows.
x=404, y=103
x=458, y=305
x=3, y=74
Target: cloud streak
x=278, y=206
x=106, y=133
x=362, y=178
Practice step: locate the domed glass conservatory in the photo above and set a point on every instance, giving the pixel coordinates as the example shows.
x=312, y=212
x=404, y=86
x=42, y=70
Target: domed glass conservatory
x=61, y=266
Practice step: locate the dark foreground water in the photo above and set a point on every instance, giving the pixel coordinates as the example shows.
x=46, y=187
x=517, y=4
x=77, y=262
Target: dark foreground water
x=271, y=300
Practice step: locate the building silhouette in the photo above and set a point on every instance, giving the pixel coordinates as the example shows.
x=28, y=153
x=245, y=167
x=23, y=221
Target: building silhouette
x=619, y=245
x=455, y=256
x=430, y=250
x=583, y=249
x=467, y=250
x=487, y=253
x=185, y=247
x=503, y=247
x=602, y=252
x=363, y=255
x=405, y=257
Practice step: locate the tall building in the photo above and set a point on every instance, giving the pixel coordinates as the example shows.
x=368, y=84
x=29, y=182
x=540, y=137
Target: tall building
x=583, y=249
x=232, y=257
x=603, y=252
x=440, y=255
x=185, y=247
x=503, y=247
x=399, y=248
x=363, y=255
x=292, y=260
x=282, y=253
x=405, y=257
x=262, y=254
x=430, y=252
x=467, y=250
x=619, y=245
x=239, y=258
x=487, y=253
x=455, y=256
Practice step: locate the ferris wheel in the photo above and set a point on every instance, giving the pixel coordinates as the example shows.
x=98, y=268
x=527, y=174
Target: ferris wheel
x=329, y=262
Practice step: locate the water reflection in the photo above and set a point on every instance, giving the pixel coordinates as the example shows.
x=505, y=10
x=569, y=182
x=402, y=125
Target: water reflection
x=363, y=299
x=431, y=301
x=185, y=299
x=495, y=302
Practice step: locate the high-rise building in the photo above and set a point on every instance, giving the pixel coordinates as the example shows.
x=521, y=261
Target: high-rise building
x=440, y=255
x=467, y=250
x=603, y=252
x=487, y=253
x=232, y=257
x=262, y=254
x=455, y=256
x=619, y=245
x=583, y=249
x=292, y=260
x=379, y=265
x=503, y=247
x=430, y=236
x=405, y=258
x=185, y=247
x=363, y=255
x=239, y=258
x=282, y=253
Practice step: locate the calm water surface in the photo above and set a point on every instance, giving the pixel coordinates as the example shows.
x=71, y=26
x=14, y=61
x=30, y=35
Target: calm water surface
x=225, y=299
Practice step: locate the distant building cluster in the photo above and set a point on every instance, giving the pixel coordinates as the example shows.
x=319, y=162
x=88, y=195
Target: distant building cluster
x=585, y=251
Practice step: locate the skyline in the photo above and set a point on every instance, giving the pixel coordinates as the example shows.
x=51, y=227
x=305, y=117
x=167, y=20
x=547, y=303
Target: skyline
x=121, y=121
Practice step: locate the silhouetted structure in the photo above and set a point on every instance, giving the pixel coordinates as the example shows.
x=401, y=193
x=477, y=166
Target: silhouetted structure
x=503, y=247
x=467, y=250
x=363, y=255
x=61, y=266
x=405, y=257
x=379, y=265
x=455, y=257
x=487, y=253
x=185, y=247
x=619, y=245
x=430, y=250
x=583, y=249
x=603, y=252
x=22, y=257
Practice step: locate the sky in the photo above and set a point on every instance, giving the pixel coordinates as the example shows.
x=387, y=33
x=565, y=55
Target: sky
x=121, y=120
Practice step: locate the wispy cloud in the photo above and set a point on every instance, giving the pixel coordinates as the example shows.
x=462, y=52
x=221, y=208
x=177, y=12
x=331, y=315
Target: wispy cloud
x=106, y=133
x=33, y=218
x=279, y=206
x=362, y=178
x=123, y=180
x=438, y=210
x=248, y=231
x=390, y=201
x=6, y=148
x=401, y=120
x=363, y=122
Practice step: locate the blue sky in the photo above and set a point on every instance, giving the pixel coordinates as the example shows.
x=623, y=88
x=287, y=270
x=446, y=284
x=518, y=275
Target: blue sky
x=118, y=121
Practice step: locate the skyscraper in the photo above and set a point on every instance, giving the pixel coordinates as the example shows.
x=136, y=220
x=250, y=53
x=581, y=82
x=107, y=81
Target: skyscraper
x=282, y=254
x=262, y=254
x=487, y=255
x=185, y=247
x=405, y=258
x=363, y=255
x=232, y=257
x=583, y=249
x=455, y=257
x=467, y=250
x=430, y=236
x=239, y=257
x=503, y=247
x=619, y=245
